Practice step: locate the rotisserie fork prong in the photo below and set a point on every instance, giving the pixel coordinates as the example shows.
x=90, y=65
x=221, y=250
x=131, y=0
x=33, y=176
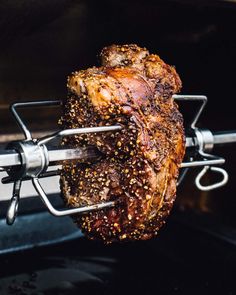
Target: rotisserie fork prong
x=30, y=158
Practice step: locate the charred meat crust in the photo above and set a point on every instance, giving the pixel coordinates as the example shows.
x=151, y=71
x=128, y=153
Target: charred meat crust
x=140, y=166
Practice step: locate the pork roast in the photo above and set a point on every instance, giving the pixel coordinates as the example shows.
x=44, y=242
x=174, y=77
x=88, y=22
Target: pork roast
x=139, y=164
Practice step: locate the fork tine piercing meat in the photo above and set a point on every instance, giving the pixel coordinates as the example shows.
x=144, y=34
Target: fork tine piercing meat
x=140, y=163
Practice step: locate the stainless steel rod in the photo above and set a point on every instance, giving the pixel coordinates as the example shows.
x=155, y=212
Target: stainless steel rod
x=224, y=137
x=9, y=158
x=82, y=153
x=220, y=137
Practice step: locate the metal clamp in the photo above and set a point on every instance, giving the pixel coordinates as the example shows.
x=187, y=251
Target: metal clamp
x=204, y=141
x=30, y=158
x=34, y=161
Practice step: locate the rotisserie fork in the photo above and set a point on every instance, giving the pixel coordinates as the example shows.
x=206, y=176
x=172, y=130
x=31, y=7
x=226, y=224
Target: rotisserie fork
x=30, y=158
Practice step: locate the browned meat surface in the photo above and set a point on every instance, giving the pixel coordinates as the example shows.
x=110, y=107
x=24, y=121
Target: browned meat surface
x=140, y=165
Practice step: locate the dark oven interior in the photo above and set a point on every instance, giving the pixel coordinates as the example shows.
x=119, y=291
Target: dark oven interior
x=41, y=43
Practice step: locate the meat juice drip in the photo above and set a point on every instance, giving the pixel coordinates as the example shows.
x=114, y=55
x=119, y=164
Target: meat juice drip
x=140, y=166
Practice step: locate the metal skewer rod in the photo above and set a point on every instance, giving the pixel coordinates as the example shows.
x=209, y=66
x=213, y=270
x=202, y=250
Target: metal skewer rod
x=224, y=137
x=9, y=158
x=219, y=137
x=76, y=131
x=31, y=157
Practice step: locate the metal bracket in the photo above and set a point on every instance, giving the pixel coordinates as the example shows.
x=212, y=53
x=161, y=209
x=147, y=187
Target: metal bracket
x=34, y=161
x=204, y=142
x=30, y=158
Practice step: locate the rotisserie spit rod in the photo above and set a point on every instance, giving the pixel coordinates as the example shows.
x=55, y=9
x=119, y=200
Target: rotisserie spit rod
x=10, y=157
x=30, y=158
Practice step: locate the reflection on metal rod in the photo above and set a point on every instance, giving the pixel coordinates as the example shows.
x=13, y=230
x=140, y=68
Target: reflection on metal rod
x=224, y=137
x=9, y=158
